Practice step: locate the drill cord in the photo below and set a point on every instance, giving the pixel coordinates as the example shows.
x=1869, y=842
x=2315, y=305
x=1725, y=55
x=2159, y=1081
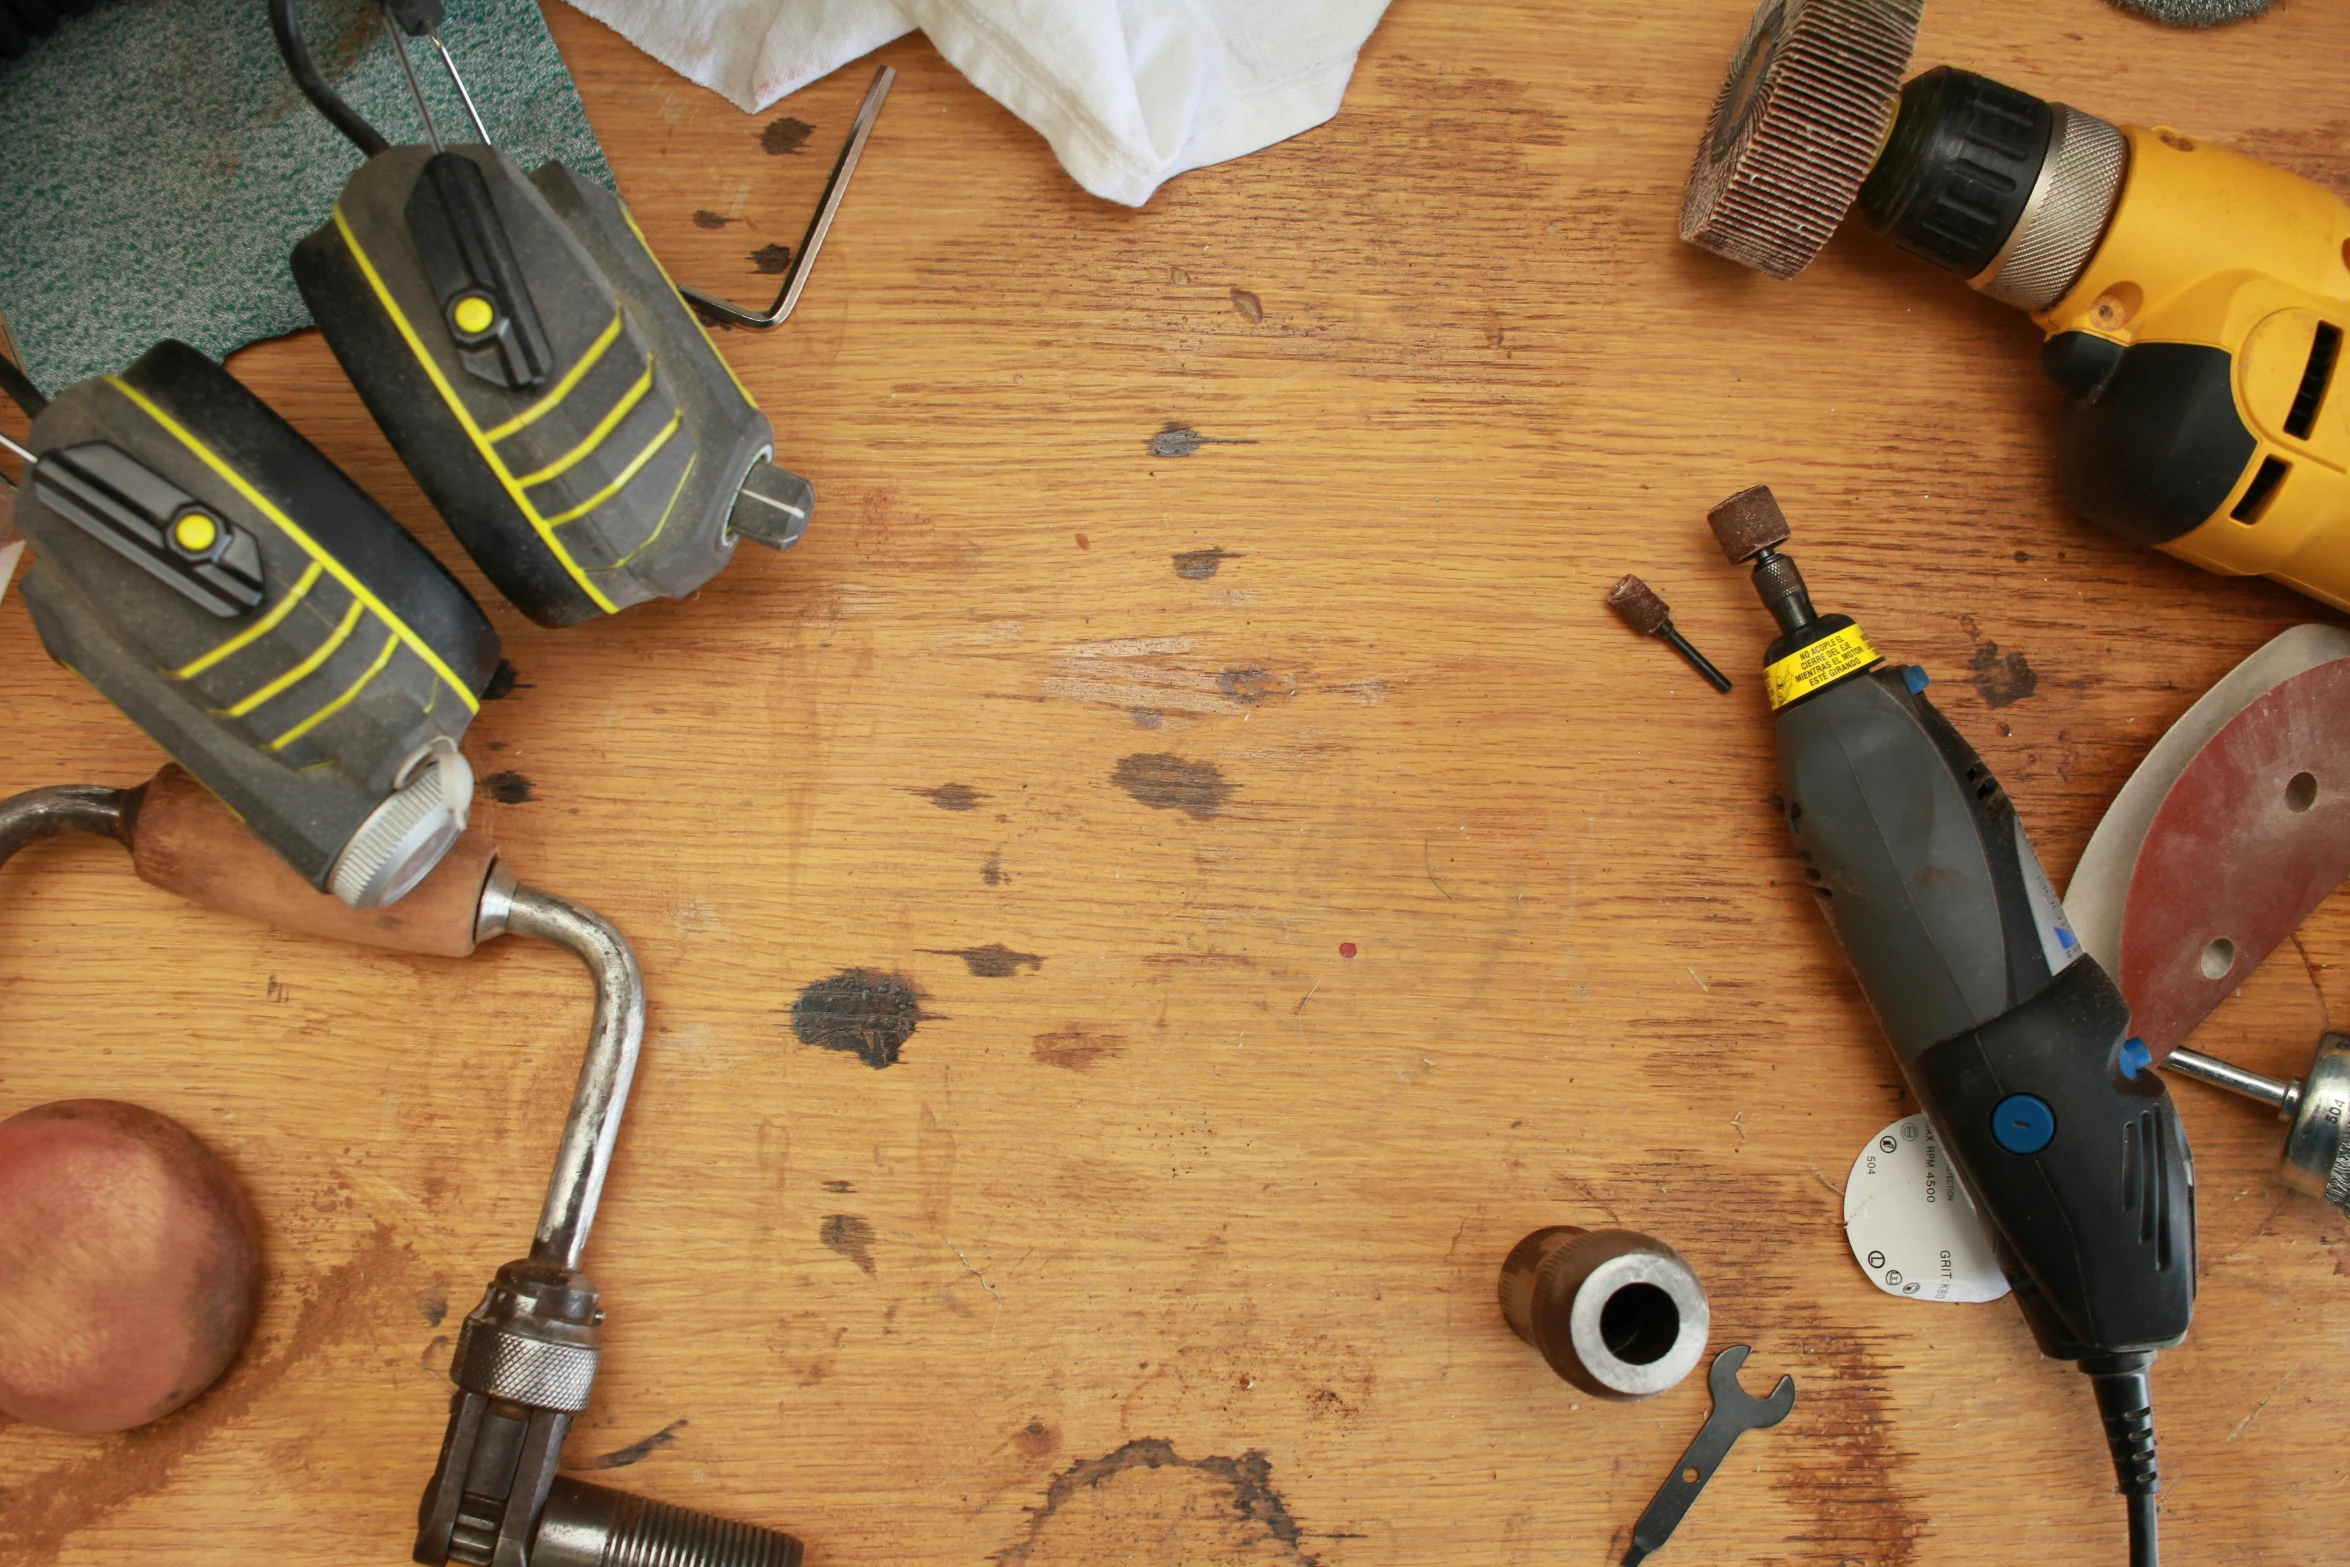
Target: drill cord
x=2126, y=1404
x=314, y=86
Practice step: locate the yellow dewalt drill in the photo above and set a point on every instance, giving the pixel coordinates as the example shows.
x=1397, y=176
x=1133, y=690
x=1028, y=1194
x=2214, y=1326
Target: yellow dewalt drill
x=2194, y=297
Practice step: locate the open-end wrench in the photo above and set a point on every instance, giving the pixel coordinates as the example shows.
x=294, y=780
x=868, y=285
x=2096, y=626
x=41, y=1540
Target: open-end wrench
x=1736, y=1412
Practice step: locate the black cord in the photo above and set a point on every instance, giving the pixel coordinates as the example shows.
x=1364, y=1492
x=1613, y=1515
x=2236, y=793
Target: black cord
x=2126, y=1404
x=341, y=115
x=2145, y=1549
x=20, y=388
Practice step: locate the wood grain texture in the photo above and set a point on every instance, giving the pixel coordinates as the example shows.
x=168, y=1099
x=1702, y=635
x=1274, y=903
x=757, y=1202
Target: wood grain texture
x=1198, y=594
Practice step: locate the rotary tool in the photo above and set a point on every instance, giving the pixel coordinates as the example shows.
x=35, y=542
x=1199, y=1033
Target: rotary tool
x=526, y=1357
x=534, y=366
x=2194, y=298
x=2008, y=1034
x=250, y=608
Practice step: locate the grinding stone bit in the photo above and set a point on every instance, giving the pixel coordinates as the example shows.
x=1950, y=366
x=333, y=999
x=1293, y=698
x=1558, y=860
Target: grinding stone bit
x=1796, y=128
x=2196, y=13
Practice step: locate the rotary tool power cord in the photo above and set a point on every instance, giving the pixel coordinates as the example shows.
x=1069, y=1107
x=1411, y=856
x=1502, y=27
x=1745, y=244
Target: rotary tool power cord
x=2125, y=1402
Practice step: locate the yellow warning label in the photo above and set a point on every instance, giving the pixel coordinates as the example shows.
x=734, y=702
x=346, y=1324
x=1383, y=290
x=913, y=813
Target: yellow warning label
x=1807, y=669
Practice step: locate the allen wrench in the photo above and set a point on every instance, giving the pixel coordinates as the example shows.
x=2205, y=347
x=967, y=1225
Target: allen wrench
x=827, y=207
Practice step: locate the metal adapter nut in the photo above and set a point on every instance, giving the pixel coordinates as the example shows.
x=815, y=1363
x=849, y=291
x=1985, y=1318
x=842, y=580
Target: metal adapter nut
x=397, y=846
x=1613, y=1311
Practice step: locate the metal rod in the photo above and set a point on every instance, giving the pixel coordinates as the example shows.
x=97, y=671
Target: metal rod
x=1697, y=661
x=449, y=62
x=835, y=188
x=22, y=455
x=616, y=1037
x=89, y=809
x=2218, y=1073
x=408, y=69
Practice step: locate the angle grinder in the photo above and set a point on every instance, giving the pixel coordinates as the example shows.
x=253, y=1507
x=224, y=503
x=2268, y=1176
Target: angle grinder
x=532, y=363
x=2009, y=1035
x=2194, y=298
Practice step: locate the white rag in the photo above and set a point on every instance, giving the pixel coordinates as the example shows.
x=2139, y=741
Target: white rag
x=1129, y=93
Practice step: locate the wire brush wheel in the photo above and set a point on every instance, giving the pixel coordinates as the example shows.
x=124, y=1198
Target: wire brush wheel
x=2196, y=13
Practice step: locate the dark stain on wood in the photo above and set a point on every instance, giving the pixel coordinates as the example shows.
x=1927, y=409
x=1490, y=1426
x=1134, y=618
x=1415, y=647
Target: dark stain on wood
x=1076, y=1049
x=840, y=1186
x=1181, y=440
x=1200, y=565
x=1248, y=304
x=432, y=1303
x=638, y=1452
x=502, y=683
x=1248, y=1499
x=786, y=135
x=951, y=796
x=1167, y=782
x=510, y=788
x=991, y=870
x=993, y=961
x=704, y=218
x=1850, y=1472
x=860, y=1011
x=2000, y=678
x=851, y=1236
x=1250, y=684
x=1146, y=717
x=1036, y=1439
x=772, y=260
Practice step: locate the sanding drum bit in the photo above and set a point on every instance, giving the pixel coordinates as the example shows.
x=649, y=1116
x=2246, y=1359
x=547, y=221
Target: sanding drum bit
x=1638, y=606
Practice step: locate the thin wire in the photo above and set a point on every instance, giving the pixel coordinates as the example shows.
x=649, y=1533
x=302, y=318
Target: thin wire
x=8, y=445
x=450, y=61
x=408, y=69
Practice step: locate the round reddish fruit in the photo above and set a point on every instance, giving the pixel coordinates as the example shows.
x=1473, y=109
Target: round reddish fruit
x=130, y=1265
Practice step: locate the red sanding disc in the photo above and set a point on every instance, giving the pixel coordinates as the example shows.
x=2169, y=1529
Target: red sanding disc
x=130, y=1266
x=2251, y=834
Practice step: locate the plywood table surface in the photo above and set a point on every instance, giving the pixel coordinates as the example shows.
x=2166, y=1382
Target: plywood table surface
x=1180, y=871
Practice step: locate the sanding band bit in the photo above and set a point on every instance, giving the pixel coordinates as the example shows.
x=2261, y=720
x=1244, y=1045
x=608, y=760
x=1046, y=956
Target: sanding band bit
x=1639, y=607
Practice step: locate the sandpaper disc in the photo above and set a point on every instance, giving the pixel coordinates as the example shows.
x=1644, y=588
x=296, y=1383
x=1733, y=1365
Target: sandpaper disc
x=2234, y=828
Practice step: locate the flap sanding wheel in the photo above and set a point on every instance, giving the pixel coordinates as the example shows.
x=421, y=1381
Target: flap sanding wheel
x=1796, y=128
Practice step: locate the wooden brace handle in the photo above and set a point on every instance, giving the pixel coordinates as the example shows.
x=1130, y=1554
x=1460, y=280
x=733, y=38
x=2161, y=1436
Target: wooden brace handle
x=185, y=840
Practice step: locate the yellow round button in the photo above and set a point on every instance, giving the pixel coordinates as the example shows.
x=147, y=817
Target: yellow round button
x=195, y=533
x=474, y=315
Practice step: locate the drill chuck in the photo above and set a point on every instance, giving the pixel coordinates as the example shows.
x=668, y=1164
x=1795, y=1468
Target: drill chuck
x=2004, y=189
